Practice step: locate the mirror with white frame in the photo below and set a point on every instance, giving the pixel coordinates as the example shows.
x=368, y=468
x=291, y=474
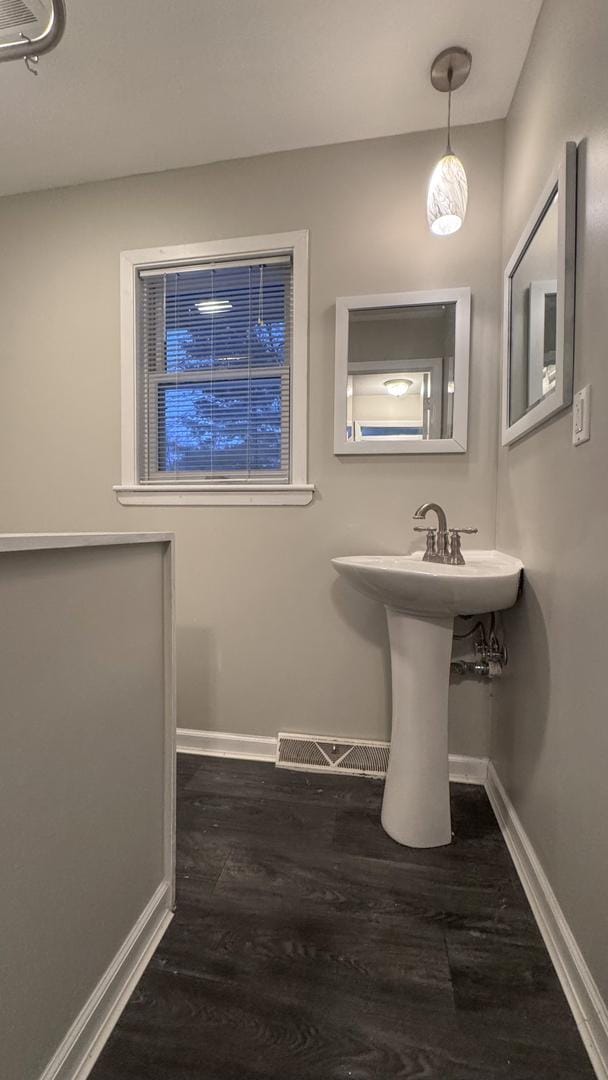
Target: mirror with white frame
x=539, y=309
x=402, y=372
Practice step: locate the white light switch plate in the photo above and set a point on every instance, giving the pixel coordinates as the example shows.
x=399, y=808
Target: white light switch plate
x=581, y=416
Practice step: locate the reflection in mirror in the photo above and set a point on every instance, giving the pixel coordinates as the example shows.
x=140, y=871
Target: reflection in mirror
x=400, y=376
x=538, y=304
x=402, y=372
x=533, y=317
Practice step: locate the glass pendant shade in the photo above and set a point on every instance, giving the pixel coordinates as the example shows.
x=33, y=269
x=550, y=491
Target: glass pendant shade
x=446, y=201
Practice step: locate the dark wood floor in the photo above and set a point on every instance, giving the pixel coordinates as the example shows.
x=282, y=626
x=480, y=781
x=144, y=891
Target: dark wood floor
x=307, y=945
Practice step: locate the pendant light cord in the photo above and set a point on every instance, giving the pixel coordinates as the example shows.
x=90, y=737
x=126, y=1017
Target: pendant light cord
x=448, y=148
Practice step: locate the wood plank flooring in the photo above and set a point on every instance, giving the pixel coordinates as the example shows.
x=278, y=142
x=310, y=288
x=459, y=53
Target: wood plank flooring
x=307, y=945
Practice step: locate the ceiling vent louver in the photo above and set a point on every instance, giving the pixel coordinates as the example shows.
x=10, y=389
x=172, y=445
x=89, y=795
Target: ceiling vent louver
x=14, y=15
x=29, y=28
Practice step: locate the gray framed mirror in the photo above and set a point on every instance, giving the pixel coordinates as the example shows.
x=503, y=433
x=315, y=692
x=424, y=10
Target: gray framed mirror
x=402, y=372
x=538, y=327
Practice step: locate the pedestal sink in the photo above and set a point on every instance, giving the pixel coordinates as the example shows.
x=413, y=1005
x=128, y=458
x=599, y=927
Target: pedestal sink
x=421, y=601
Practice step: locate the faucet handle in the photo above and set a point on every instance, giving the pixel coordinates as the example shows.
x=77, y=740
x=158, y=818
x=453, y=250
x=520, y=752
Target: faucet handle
x=455, y=557
x=430, y=554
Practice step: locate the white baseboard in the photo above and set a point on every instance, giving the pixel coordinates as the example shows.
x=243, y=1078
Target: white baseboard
x=584, y=998
x=226, y=744
x=466, y=770
x=79, y=1050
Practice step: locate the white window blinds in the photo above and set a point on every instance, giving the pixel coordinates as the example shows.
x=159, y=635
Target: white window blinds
x=214, y=347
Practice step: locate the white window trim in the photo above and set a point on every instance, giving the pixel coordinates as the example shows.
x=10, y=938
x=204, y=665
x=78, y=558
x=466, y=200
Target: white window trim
x=208, y=493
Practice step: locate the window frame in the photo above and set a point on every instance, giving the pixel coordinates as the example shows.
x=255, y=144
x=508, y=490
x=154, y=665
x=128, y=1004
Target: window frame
x=160, y=381
x=239, y=492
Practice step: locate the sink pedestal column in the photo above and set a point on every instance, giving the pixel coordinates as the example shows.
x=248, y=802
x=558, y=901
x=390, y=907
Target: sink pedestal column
x=416, y=806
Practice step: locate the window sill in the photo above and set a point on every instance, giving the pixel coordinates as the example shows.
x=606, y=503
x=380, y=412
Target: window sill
x=215, y=495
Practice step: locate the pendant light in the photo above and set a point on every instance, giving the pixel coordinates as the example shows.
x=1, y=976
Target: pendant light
x=446, y=202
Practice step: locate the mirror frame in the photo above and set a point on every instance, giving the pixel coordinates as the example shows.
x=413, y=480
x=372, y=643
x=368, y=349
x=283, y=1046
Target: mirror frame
x=562, y=180
x=461, y=297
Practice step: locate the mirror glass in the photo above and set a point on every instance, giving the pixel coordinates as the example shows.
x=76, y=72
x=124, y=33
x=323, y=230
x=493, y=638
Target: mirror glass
x=533, y=317
x=400, y=373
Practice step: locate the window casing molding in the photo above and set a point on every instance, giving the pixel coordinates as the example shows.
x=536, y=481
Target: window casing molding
x=131, y=492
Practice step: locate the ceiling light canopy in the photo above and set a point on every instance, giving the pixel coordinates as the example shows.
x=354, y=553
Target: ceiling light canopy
x=398, y=387
x=446, y=201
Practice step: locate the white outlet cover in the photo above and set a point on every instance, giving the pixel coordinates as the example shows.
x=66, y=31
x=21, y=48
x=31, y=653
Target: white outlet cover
x=581, y=416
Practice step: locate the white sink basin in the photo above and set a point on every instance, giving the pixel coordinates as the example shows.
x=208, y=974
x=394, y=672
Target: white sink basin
x=421, y=601
x=488, y=582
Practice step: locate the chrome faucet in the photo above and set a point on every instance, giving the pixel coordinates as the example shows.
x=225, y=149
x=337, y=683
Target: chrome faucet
x=442, y=544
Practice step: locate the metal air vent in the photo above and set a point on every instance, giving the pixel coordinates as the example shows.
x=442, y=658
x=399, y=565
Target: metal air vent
x=29, y=28
x=318, y=753
x=14, y=15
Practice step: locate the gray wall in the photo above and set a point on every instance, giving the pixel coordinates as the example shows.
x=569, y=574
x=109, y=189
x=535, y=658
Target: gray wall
x=550, y=734
x=267, y=637
x=81, y=779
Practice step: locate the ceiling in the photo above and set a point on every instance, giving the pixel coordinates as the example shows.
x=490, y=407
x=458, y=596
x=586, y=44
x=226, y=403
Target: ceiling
x=144, y=85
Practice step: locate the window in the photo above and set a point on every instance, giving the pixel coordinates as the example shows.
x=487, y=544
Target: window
x=214, y=373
